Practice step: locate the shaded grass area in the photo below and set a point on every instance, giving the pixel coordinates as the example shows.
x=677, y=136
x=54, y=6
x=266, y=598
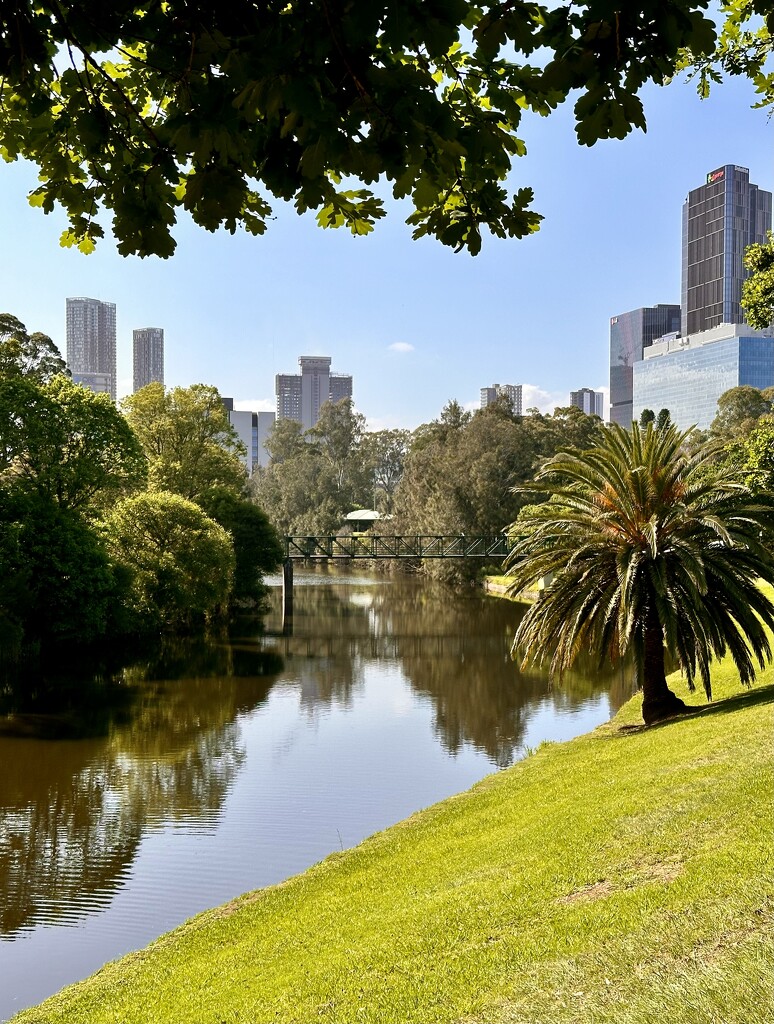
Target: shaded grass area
x=623, y=877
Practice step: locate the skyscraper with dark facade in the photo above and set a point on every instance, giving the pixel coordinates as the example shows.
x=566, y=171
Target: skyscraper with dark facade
x=148, y=356
x=720, y=219
x=91, y=343
x=630, y=334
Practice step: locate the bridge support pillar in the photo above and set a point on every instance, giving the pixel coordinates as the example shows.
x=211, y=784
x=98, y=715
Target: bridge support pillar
x=287, y=596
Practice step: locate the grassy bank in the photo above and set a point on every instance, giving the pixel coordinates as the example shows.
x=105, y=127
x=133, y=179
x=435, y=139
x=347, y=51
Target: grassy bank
x=622, y=877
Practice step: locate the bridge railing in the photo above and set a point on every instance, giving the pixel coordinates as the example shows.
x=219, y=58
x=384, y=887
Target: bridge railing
x=411, y=546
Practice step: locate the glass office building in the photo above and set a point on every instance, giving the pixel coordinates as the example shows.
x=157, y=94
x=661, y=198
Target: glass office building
x=720, y=219
x=630, y=334
x=687, y=376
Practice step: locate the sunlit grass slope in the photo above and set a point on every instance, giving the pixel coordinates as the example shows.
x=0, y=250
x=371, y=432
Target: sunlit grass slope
x=622, y=877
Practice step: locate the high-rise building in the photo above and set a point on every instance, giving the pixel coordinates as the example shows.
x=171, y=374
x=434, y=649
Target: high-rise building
x=591, y=402
x=253, y=429
x=91, y=343
x=340, y=386
x=687, y=375
x=630, y=335
x=720, y=219
x=300, y=396
x=148, y=356
x=287, y=387
x=510, y=391
x=315, y=387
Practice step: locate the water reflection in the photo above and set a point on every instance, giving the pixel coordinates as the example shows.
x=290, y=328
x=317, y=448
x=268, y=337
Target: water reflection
x=72, y=813
x=132, y=797
x=454, y=649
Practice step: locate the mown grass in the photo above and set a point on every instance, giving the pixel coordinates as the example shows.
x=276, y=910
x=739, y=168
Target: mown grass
x=622, y=877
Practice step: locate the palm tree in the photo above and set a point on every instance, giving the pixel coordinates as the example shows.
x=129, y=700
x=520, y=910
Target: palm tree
x=649, y=548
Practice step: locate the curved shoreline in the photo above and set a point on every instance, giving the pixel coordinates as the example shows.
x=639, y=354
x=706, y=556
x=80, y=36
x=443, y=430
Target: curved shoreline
x=617, y=877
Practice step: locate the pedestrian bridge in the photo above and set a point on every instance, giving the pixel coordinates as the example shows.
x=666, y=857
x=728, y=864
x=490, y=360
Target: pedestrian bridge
x=368, y=545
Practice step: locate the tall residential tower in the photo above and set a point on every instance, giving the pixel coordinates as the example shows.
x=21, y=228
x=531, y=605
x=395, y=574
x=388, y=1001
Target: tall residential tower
x=589, y=401
x=300, y=396
x=148, y=352
x=91, y=344
x=510, y=391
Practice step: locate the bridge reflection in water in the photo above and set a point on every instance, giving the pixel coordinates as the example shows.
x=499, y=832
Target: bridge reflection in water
x=371, y=546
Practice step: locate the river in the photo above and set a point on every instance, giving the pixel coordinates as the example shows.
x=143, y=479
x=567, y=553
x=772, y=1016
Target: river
x=212, y=768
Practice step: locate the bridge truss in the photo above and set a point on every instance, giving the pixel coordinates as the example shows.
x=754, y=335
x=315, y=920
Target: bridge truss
x=376, y=546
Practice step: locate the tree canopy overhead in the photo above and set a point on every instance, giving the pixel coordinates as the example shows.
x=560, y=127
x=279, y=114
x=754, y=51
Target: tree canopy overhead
x=142, y=108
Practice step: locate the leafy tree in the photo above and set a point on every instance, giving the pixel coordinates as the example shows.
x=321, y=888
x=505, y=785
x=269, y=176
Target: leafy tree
x=65, y=443
x=147, y=109
x=647, y=550
x=180, y=562
x=463, y=478
x=758, y=454
x=34, y=356
x=316, y=476
x=647, y=416
x=58, y=584
x=663, y=419
x=285, y=440
x=187, y=438
x=384, y=452
x=738, y=410
x=758, y=289
x=257, y=548
x=744, y=47
x=337, y=436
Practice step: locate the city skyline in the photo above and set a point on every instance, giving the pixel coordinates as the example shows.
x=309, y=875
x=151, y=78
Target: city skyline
x=415, y=323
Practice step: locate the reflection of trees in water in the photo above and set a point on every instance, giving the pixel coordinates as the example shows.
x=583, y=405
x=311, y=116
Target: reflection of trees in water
x=480, y=695
x=73, y=814
x=329, y=644
x=454, y=647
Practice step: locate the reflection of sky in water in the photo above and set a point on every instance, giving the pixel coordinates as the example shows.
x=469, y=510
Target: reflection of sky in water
x=375, y=714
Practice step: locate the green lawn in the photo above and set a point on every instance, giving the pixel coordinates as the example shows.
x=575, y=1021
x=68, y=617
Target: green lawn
x=623, y=877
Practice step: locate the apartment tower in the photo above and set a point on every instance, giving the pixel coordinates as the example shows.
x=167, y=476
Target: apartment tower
x=148, y=356
x=300, y=396
x=591, y=402
x=510, y=391
x=91, y=344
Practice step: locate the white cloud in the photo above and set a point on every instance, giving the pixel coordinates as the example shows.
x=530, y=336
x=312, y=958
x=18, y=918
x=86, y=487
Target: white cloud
x=533, y=397
x=401, y=346
x=255, y=405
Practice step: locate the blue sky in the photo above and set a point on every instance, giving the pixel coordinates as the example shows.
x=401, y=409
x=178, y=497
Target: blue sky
x=413, y=322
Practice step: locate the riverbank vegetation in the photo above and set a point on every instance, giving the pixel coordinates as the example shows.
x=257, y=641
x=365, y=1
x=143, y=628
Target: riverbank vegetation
x=454, y=475
x=116, y=524
x=620, y=878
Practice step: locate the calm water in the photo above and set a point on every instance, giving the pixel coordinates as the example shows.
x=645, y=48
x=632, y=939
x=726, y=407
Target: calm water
x=219, y=768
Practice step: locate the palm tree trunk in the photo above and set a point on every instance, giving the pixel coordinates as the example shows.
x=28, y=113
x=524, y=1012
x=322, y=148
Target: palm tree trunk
x=658, y=701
